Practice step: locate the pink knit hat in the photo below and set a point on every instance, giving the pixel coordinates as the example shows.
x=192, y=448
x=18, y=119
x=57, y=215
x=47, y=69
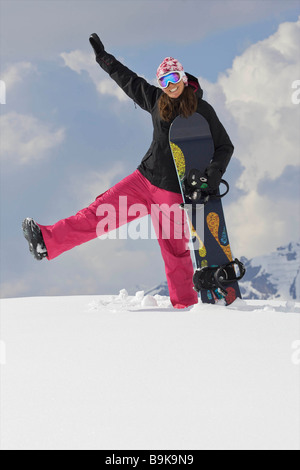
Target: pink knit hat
x=171, y=65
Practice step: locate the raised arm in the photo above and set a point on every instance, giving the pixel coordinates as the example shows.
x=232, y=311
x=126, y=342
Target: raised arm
x=137, y=88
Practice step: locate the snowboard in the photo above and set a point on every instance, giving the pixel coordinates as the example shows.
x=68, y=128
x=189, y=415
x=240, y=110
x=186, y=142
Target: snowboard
x=193, y=148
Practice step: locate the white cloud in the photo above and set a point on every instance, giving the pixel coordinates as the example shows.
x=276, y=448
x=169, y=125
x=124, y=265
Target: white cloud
x=25, y=139
x=79, y=62
x=104, y=257
x=258, y=224
x=257, y=91
x=15, y=73
x=90, y=185
x=254, y=101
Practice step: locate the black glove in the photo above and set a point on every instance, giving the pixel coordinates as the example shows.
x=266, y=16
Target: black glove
x=97, y=44
x=207, y=183
x=196, y=180
x=194, y=183
x=214, y=176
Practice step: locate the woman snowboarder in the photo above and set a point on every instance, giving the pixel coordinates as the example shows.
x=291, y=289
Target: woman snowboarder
x=155, y=182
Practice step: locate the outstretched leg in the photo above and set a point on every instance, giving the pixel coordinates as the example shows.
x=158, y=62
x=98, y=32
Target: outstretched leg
x=87, y=224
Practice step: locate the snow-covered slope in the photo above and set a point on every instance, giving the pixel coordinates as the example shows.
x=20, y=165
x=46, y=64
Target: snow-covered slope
x=126, y=373
x=273, y=276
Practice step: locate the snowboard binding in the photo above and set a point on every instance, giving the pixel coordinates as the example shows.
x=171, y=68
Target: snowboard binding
x=215, y=278
x=197, y=190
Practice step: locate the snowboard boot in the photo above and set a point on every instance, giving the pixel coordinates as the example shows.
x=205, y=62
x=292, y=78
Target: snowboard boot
x=33, y=235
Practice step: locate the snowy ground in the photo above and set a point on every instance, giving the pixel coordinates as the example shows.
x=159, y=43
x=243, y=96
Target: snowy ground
x=126, y=373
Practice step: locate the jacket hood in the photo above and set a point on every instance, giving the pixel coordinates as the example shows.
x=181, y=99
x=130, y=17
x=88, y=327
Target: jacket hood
x=194, y=83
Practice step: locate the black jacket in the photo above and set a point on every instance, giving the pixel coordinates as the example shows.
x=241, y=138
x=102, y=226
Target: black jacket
x=157, y=165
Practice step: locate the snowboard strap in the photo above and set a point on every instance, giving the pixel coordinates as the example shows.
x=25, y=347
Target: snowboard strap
x=203, y=195
x=215, y=278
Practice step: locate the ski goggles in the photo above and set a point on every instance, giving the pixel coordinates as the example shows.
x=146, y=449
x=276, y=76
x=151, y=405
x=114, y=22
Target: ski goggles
x=170, y=77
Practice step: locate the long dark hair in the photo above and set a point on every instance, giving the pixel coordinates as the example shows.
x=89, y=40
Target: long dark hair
x=185, y=105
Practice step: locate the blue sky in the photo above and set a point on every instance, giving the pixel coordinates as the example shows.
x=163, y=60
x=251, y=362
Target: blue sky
x=63, y=142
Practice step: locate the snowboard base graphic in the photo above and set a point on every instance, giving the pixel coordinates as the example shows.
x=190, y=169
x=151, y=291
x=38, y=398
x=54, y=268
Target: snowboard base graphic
x=193, y=148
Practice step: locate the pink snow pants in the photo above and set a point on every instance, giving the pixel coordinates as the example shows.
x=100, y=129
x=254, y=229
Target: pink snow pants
x=171, y=229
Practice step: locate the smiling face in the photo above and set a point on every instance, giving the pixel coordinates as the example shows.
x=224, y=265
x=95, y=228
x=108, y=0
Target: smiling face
x=174, y=90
